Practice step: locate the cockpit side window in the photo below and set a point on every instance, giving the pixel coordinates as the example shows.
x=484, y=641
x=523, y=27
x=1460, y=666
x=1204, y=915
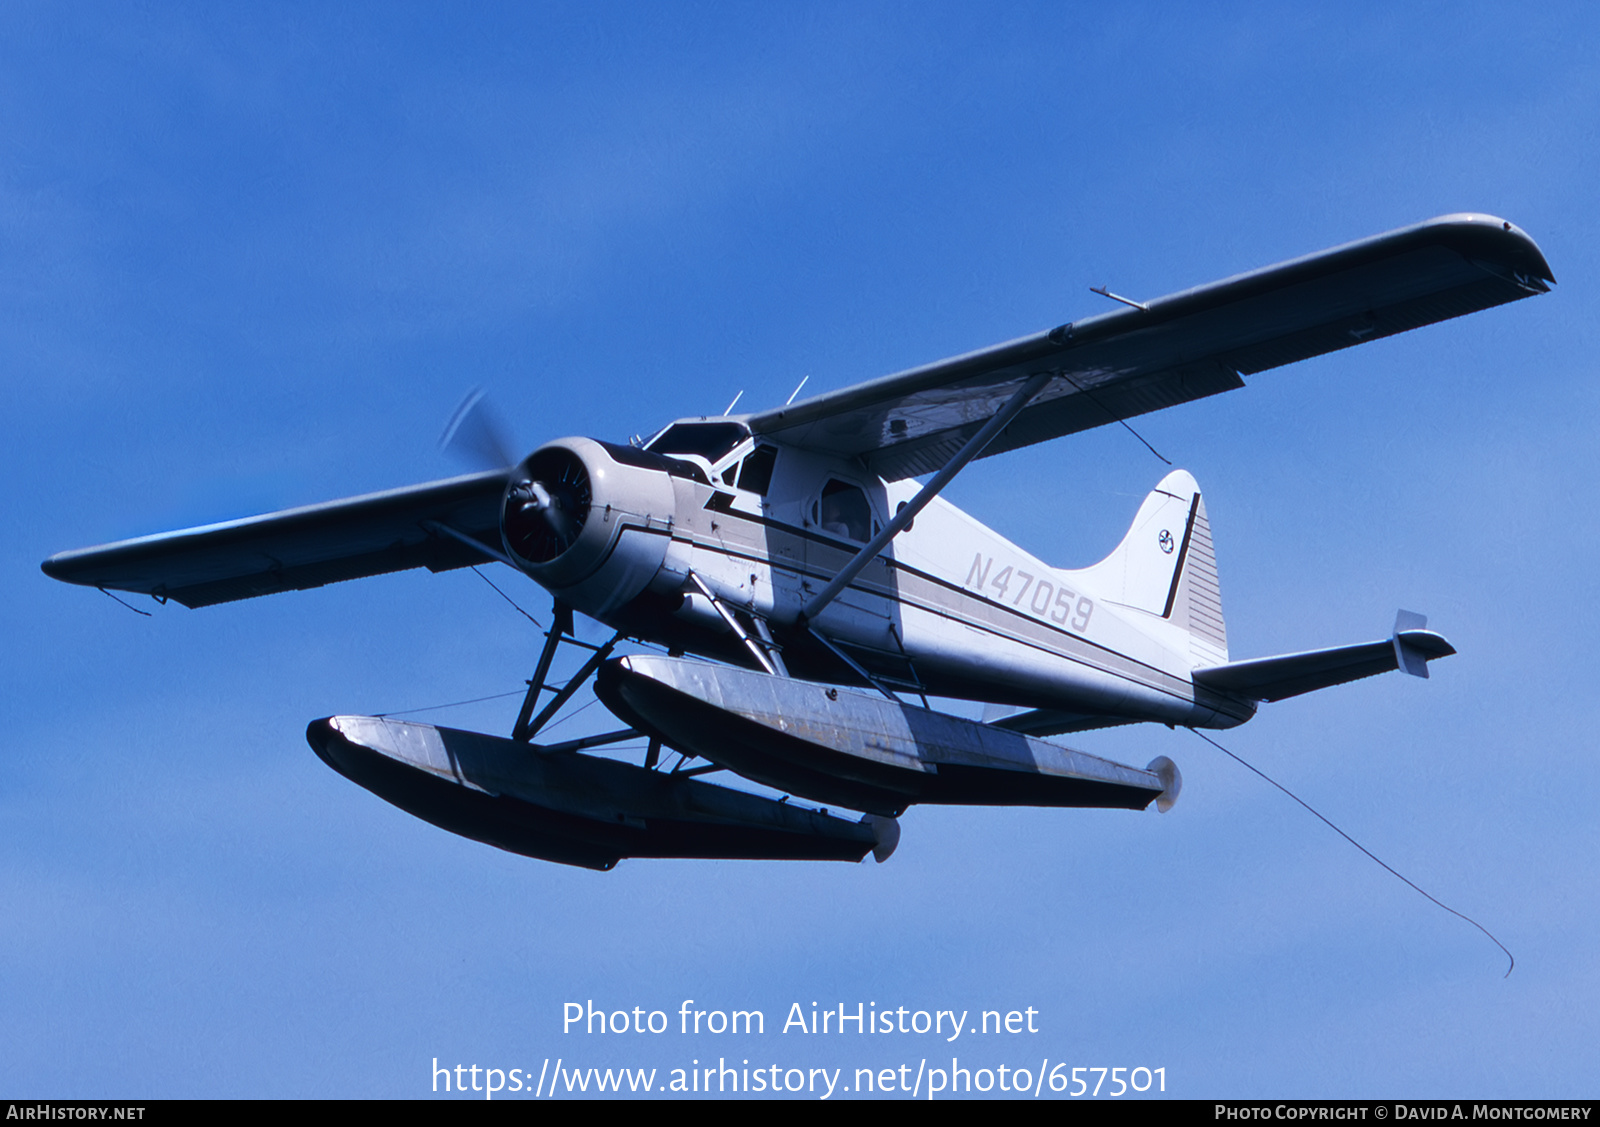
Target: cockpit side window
x=756, y=476
x=845, y=511
x=754, y=471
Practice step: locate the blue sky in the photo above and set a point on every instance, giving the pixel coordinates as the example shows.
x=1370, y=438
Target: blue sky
x=253, y=259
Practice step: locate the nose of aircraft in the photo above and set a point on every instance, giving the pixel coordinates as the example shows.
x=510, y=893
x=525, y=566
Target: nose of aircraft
x=532, y=503
x=546, y=504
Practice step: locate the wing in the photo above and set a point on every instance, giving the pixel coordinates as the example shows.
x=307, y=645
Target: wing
x=1175, y=349
x=301, y=548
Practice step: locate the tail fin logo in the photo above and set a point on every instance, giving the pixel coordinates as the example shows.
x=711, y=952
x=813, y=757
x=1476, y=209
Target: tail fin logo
x=1165, y=540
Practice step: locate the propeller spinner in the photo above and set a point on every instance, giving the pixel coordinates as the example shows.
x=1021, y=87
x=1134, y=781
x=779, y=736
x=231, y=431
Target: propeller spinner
x=546, y=505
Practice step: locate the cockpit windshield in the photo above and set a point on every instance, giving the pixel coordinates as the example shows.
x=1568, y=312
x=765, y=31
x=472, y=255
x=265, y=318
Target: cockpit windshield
x=710, y=441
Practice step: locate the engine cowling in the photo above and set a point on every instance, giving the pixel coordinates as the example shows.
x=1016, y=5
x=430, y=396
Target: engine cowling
x=588, y=520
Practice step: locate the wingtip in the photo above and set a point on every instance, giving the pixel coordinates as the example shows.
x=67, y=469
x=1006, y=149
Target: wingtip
x=1511, y=243
x=55, y=567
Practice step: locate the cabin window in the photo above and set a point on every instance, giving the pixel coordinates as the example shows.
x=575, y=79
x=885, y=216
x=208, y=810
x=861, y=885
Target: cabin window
x=845, y=511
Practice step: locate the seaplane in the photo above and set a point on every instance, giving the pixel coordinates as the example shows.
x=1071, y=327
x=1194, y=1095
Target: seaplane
x=801, y=590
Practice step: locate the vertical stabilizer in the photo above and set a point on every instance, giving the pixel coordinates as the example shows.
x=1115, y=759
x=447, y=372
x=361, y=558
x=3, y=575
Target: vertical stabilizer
x=1166, y=566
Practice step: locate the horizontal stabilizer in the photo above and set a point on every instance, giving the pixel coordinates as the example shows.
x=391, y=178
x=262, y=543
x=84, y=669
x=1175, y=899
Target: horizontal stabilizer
x=1410, y=648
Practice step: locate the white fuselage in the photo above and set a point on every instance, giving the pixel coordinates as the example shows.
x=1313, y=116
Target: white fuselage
x=951, y=606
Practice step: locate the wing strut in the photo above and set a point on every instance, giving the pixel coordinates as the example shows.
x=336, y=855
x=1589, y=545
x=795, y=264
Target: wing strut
x=908, y=512
x=463, y=538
